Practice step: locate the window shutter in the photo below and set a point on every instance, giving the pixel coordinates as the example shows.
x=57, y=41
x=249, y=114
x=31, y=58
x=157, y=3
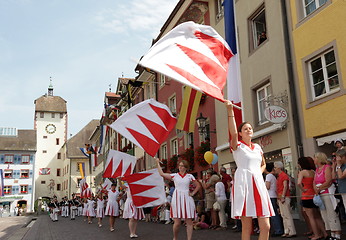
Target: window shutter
x=29, y=189
x=2, y=159
x=31, y=158
x=15, y=189
x=30, y=173
x=19, y=159
x=16, y=174
x=15, y=159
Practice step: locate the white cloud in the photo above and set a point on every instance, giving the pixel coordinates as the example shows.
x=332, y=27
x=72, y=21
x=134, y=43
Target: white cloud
x=140, y=16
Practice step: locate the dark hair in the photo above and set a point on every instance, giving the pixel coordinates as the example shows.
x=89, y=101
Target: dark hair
x=341, y=152
x=242, y=125
x=306, y=163
x=114, y=184
x=270, y=166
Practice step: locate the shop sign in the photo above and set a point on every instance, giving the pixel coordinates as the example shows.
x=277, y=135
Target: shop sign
x=275, y=114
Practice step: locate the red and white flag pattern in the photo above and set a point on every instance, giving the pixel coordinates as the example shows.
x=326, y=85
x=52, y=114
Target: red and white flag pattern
x=119, y=164
x=147, y=188
x=87, y=193
x=147, y=125
x=106, y=185
x=193, y=54
x=83, y=185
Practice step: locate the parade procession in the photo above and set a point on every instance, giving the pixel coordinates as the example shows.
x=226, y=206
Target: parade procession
x=226, y=119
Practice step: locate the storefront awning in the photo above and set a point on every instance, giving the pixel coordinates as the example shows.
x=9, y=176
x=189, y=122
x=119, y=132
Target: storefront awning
x=331, y=138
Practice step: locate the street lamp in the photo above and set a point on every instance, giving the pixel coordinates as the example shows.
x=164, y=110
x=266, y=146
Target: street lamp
x=201, y=124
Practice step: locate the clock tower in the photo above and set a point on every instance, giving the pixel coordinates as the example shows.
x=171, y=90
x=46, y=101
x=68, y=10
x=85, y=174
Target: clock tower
x=50, y=122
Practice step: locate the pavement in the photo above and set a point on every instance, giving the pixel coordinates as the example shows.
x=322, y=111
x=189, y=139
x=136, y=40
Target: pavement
x=42, y=228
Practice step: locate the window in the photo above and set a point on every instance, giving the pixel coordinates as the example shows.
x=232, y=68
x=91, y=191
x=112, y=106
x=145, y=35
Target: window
x=24, y=173
x=164, y=151
x=162, y=80
x=57, y=141
x=41, y=114
x=7, y=189
x=61, y=115
x=189, y=137
x=258, y=28
x=44, y=151
x=58, y=172
x=173, y=104
x=59, y=156
x=23, y=188
x=311, y=5
x=58, y=187
x=174, y=146
x=43, y=182
x=219, y=9
x=263, y=94
x=8, y=158
x=53, y=115
x=323, y=75
x=44, y=137
x=78, y=181
x=78, y=164
x=8, y=173
x=25, y=159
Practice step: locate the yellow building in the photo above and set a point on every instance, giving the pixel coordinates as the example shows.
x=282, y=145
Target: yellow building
x=318, y=35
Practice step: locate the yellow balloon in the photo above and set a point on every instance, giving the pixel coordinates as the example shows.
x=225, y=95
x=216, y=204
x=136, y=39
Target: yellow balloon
x=208, y=157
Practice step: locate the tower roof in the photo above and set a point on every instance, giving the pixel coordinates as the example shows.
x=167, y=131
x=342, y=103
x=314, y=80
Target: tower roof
x=50, y=104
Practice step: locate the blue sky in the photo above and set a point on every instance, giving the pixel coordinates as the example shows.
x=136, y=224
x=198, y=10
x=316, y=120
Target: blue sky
x=84, y=45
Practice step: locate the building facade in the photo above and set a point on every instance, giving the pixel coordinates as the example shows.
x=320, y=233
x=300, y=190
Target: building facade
x=318, y=34
x=17, y=160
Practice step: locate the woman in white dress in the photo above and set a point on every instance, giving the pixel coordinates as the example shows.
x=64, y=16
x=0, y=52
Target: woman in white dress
x=132, y=213
x=90, y=210
x=112, y=208
x=182, y=205
x=85, y=207
x=100, y=208
x=250, y=198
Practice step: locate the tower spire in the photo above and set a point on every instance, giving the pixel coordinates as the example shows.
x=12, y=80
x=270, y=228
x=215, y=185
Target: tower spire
x=50, y=88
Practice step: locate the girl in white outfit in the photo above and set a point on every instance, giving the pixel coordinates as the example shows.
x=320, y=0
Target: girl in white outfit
x=90, y=212
x=112, y=209
x=100, y=209
x=182, y=205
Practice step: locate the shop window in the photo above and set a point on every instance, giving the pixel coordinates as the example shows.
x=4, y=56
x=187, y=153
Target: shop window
x=25, y=159
x=24, y=173
x=258, y=28
x=323, y=75
x=8, y=158
x=8, y=173
x=23, y=189
x=7, y=190
x=263, y=94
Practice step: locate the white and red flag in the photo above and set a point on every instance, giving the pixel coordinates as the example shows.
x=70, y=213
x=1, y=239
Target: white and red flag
x=193, y=54
x=147, y=188
x=147, y=125
x=87, y=193
x=119, y=164
x=83, y=185
x=106, y=185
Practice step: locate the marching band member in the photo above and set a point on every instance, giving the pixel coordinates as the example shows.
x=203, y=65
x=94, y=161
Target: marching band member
x=100, y=209
x=112, y=208
x=132, y=213
x=73, y=207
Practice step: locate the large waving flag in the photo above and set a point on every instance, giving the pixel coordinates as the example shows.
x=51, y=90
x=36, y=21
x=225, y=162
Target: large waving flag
x=119, y=164
x=147, y=188
x=233, y=75
x=106, y=185
x=189, y=108
x=83, y=185
x=147, y=125
x=193, y=54
x=94, y=155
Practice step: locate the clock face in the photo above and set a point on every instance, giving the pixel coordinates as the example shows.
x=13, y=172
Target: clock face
x=50, y=128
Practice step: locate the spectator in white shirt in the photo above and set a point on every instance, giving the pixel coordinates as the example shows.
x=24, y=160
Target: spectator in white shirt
x=221, y=198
